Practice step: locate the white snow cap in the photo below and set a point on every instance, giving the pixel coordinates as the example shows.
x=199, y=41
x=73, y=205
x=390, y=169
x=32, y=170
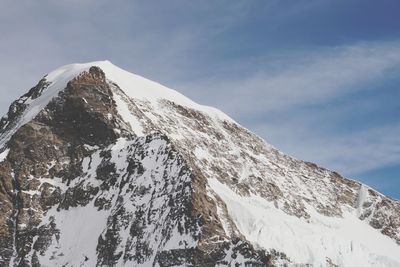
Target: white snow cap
x=135, y=86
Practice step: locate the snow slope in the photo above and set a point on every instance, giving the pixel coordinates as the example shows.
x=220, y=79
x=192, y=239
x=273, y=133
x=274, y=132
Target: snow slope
x=346, y=241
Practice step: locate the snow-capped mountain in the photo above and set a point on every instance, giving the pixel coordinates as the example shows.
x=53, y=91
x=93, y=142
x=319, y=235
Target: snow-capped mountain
x=101, y=167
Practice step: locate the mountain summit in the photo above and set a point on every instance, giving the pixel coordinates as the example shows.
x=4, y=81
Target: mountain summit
x=101, y=167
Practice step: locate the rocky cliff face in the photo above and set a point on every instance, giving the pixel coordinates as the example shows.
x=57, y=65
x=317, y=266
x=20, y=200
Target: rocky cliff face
x=100, y=167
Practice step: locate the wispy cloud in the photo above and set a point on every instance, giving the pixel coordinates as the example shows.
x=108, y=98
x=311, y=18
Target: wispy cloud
x=305, y=78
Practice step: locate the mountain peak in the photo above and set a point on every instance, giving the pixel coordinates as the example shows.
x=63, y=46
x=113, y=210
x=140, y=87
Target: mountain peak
x=132, y=85
x=169, y=182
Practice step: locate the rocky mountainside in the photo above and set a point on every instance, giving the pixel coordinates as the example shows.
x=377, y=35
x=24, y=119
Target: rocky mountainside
x=101, y=167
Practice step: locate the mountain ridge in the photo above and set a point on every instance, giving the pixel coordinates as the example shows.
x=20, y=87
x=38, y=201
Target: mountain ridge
x=108, y=106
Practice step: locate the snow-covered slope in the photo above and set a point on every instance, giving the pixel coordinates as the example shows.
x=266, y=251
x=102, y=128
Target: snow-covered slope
x=169, y=182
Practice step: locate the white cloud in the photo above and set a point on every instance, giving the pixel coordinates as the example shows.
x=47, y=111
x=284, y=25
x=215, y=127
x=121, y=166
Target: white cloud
x=304, y=79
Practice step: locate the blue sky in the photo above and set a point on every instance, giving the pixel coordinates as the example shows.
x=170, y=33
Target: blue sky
x=317, y=79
